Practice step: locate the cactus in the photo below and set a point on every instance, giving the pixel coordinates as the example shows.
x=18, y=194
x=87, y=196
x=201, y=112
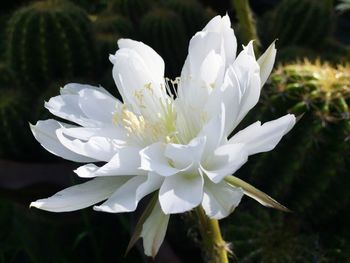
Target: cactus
x=108, y=28
x=309, y=171
x=133, y=9
x=16, y=139
x=7, y=78
x=294, y=22
x=49, y=40
x=267, y=236
x=192, y=14
x=247, y=24
x=164, y=30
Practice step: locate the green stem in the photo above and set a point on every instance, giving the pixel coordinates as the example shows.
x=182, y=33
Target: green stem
x=214, y=247
x=247, y=23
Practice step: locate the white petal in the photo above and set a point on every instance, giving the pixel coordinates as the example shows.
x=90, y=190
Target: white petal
x=248, y=74
x=126, y=198
x=97, y=105
x=75, y=88
x=112, y=132
x=125, y=162
x=225, y=160
x=219, y=200
x=153, y=159
x=230, y=95
x=153, y=231
x=181, y=192
x=222, y=25
x=262, y=138
x=250, y=49
x=266, y=62
x=212, y=69
x=67, y=107
x=184, y=156
x=149, y=56
x=213, y=131
x=45, y=133
x=140, y=86
x=99, y=148
x=80, y=196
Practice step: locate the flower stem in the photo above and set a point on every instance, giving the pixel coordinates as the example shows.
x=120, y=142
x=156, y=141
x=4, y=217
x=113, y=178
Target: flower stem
x=213, y=245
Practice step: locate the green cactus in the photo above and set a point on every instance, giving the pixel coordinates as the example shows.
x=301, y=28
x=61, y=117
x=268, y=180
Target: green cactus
x=133, y=9
x=164, y=30
x=266, y=236
x=16, y=139
x=49, y=40
x=309, y=169
x=108, y=28
x=7, y=78
x=192, y=14
x=295, y=22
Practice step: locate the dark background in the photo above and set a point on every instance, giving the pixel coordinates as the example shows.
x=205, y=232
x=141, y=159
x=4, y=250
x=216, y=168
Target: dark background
x=44, y=45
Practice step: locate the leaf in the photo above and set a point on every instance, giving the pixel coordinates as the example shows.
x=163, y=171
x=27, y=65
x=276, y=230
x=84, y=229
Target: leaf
x=138, y=228
x=255, y=193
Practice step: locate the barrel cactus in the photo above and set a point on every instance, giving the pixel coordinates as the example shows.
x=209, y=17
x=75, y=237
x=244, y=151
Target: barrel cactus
x=192, y=14
x=7, y=77
x=164, y=30
x=298, y=22
x=265, y=236
x=16, y=139
x=49, y=40
x=133, y=9
x=309, y=171
x=108, y=28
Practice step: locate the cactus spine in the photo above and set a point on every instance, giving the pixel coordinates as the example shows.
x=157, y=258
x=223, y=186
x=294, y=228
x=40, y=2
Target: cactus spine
x=310, y=167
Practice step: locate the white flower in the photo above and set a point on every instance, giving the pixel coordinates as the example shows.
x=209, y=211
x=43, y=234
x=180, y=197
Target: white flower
x=154, y=142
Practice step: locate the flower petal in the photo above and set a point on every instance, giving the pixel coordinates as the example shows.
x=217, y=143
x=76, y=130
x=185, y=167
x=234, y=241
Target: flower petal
x=184, y=156
x=247, y=71
x=153, y=231
x=230, y=95
x=263, y=138
x=210, y=51
x=213, y=131
x=98, y=148
x=225, y=160
x=98, y=106
x=140, y=86
x=222, y=25
x=153, y=159
x=125, y=162
x=80, y=196
x=45, y=133
x=75, y=88
x=266, y=62
x=112, y=132
x=219, y=200
x=126, y=198
x=67, y=107
x=149, y=56
x=181, y=192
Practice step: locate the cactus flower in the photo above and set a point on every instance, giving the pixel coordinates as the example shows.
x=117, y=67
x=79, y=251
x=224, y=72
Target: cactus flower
x=166, y=138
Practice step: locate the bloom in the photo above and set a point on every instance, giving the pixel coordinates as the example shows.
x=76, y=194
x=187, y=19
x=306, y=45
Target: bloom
x=153, y=142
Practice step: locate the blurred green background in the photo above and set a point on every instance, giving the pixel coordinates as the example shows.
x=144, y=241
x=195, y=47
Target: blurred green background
x=46, y=44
